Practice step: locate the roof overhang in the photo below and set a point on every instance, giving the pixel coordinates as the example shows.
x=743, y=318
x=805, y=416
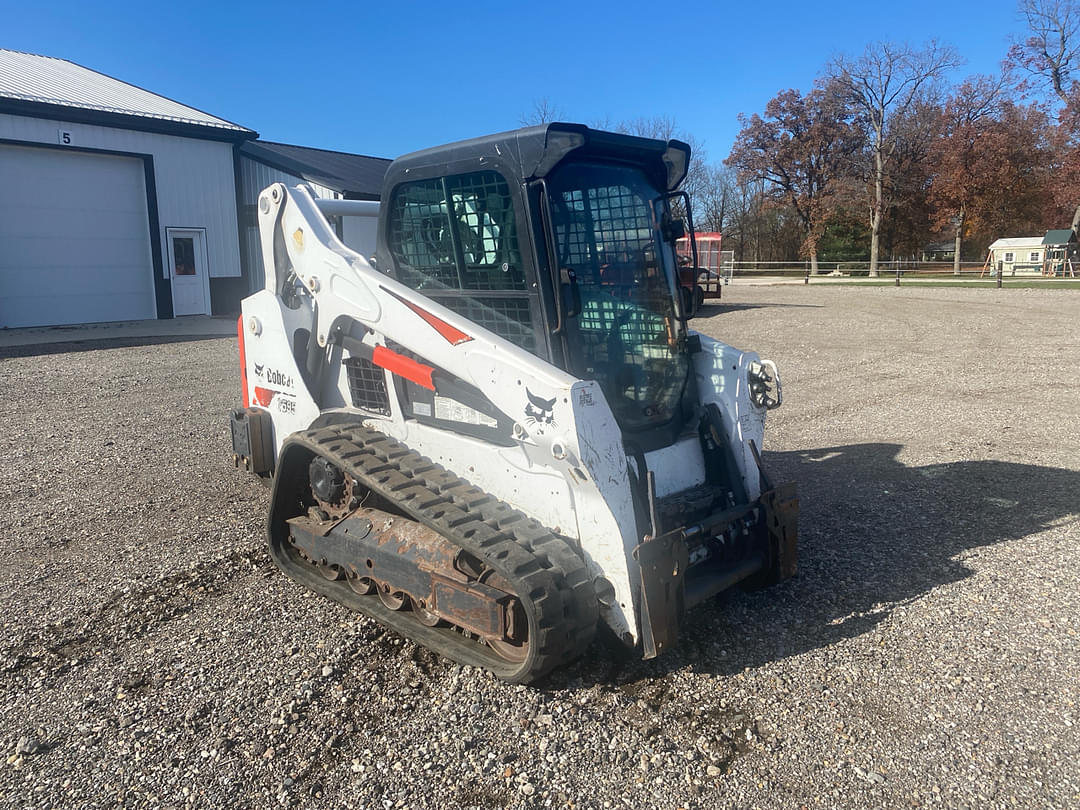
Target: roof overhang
x=283, y=163
x=116, y=120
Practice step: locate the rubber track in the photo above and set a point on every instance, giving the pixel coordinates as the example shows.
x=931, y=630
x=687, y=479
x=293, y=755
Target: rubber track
x=546, y=574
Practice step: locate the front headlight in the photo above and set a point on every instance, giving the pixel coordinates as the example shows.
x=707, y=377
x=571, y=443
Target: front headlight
x=764, y=382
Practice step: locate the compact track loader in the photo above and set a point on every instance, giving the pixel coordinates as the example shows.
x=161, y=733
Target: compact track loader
x=499, y=433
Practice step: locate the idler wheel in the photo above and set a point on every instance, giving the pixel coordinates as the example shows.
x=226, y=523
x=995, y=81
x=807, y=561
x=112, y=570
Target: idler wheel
x=327, y=481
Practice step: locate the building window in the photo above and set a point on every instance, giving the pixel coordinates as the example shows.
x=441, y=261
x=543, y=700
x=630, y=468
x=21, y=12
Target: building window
x=184, y=255
x=1009, y=256
x=1034, y=257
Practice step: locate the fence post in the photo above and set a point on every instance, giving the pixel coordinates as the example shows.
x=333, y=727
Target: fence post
x=897, y=275
x=1001, y=272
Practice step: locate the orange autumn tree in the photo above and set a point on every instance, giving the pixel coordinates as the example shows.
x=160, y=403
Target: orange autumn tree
x=799, y=149
x=991, y=165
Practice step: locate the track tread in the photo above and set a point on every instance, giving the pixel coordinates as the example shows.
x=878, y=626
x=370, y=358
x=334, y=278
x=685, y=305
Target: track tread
x=540, y=566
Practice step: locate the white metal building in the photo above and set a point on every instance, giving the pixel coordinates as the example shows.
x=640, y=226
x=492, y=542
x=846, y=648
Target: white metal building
x=119, y=204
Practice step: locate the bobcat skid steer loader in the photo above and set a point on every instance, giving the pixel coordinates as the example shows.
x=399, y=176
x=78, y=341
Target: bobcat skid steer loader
x=499, y=432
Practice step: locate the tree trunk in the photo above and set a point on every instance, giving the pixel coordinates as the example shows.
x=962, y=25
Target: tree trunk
x=956, y=244
x=874, y=226
x=1076, y=220
x=879, y=194
x=810, y=245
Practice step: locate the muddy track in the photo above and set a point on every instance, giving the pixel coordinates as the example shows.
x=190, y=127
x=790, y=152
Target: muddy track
x=549, y=579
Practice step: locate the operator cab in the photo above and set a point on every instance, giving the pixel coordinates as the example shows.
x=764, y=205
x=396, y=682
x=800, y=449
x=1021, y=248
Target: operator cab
x=561, y=240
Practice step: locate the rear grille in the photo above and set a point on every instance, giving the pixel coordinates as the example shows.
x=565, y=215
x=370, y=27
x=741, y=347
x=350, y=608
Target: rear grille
x=367, y=385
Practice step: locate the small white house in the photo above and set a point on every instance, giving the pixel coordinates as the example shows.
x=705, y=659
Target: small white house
x=1017, y=255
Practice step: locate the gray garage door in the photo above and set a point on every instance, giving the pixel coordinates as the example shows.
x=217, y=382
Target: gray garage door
x=74, y=238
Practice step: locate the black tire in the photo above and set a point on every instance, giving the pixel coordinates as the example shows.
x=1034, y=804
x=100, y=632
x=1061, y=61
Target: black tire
x=687, y=301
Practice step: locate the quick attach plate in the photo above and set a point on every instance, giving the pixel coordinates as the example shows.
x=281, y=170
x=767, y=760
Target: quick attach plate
x=663, y=562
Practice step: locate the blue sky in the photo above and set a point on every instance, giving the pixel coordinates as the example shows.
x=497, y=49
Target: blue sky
x=388, y=78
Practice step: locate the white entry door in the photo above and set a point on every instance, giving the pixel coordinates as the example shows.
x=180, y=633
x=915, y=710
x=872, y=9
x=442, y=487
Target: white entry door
x=187, y=267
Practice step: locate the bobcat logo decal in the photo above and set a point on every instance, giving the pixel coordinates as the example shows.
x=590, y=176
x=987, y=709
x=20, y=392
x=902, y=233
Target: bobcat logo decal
x=258, y=370
x=540, y=411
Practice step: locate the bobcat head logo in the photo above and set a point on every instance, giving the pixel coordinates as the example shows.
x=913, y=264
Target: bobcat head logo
x=540, y=411
x=258, y=370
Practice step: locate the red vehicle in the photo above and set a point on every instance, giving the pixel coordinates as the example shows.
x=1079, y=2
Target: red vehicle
x=705, y=280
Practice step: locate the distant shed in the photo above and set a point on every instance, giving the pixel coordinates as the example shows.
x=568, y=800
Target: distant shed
x=1021, y=255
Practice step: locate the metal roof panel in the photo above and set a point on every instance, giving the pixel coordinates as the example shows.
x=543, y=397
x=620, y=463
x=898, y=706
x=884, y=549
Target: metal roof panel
x=341, y=171
x=48, y=80
x=1059, y=237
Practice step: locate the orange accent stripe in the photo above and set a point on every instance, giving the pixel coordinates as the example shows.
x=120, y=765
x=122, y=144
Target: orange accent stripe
x=246, y=399
x=452, y=334
x=403, y=366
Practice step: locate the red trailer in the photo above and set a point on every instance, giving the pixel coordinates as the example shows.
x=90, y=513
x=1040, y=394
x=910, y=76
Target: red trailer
x=708, y=277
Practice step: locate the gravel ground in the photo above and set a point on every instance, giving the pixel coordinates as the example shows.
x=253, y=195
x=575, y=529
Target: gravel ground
x=926, y=655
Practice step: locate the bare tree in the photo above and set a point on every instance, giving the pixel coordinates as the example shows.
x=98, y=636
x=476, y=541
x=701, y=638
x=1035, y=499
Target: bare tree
x=883, y=86
x=544, y=111
x=744, y=226
x=1052, y=50
x=1051, y=54
x=714, y=204
x=664, y=128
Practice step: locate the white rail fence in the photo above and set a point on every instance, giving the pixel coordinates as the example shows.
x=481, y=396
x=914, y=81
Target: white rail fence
x=886, y=269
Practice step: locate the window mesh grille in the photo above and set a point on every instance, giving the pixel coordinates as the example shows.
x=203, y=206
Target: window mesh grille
x=420, y=235
x=367, y=385
x=509, y=318
x=432, y=220
x=604, y=226
x=626, y=336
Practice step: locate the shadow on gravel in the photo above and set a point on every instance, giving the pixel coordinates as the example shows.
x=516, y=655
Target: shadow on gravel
x=97, y=344
x=873, y=535
x=712, y=307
